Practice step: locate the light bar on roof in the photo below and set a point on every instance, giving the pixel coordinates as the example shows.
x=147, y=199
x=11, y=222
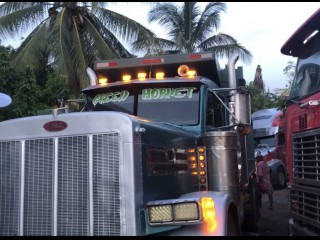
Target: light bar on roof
x=200, y=55
x=152, y=61
x=106, y=64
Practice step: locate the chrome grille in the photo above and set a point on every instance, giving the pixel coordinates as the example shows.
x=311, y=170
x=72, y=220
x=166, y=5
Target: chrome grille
x=306, y=157
x=106, y=184
x=60, y=188
x=72, y=217
x=38, y=202
x=9, y=183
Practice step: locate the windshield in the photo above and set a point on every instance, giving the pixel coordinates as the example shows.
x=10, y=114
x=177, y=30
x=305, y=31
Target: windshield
x=265, y=142
x=307, y=77
x=177, y=105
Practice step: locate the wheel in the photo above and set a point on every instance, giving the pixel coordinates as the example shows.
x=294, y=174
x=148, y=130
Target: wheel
x=281, y=178
x=233, y=224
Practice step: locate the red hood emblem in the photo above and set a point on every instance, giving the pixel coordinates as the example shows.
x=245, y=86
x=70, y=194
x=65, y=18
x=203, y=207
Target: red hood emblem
x=55, y=126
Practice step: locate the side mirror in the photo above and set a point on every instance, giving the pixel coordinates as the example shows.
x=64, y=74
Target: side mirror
x=5, y=100
x=243, y=107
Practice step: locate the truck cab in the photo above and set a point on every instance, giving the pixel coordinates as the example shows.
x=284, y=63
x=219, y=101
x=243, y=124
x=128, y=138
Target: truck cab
x=161, y=148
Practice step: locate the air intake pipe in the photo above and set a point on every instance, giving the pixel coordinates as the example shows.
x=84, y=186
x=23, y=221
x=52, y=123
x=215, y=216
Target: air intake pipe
x=92, y=76
x=240, y=102
x=232, y=81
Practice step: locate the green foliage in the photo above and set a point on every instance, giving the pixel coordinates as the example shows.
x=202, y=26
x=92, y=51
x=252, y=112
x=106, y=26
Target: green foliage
x=189, y=29
x=69, y=36
x=30, y=91
x=27, y=92
x=259, y=100
x=289, y=72
x=55, y=88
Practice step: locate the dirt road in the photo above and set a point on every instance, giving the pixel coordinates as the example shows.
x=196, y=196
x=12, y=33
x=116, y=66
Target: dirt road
x=274, y=223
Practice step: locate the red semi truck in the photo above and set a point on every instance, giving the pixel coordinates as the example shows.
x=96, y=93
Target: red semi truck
x=302, y=129
x=269, y=141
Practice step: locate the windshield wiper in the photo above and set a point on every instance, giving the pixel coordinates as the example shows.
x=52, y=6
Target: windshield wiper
x=294, y=101
x=263, y=145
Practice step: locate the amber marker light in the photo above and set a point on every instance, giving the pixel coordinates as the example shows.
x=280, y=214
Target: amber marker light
x=103, y=81
x=142, y=76
x=203, y=180
x=201, y=150
x=191, y=150
x=194, y=173
x=191, y=73
x=245, y=130
x=208, y=214
x=201, y=157
x=193, y=165
x=159, y=75
x=126, y=78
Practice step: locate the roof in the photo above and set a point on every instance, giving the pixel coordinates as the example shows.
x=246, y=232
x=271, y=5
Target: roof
x=266, y=118
x=295, y=46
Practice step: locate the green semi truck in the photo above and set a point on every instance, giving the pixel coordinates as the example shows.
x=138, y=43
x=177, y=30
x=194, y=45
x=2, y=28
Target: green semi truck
x=162, y=147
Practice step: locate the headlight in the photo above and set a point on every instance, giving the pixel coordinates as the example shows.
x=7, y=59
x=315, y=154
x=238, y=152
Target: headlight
x=185, y=212
x=177, y=212
x=159, y=214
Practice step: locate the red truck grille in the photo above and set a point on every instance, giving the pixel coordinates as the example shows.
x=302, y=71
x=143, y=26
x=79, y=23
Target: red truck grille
x=305, y=192
x=305, y=205
x=306, y=157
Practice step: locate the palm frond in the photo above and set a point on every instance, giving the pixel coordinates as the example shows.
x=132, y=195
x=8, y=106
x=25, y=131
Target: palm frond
x=153, y=44
x=61, y=44
x=121, y=26
x=32, y=49
x=213, y=9
x=78, y=55
x=208, y=22
x=166, y=14
x=10, y=7
x=224, y=51
x=218, y=39
x=106, y=45
x=17, y=18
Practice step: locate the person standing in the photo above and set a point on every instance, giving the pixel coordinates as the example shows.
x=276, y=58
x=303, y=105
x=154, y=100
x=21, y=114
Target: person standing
x=264, y=185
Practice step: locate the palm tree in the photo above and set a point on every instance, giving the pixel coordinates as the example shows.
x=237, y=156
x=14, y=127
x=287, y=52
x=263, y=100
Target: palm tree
x=190, y=30
x=70, y=35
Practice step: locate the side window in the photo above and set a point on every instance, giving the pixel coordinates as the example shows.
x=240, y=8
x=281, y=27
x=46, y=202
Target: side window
x=209, y=111
x=215, y=116
x=309, y=79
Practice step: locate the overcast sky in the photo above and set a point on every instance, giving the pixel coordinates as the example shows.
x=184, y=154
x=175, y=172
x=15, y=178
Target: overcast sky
x=261, y=27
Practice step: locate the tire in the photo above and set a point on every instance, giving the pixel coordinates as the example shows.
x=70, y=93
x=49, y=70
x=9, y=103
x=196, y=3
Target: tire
x=232, y=225
x=281, y=178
